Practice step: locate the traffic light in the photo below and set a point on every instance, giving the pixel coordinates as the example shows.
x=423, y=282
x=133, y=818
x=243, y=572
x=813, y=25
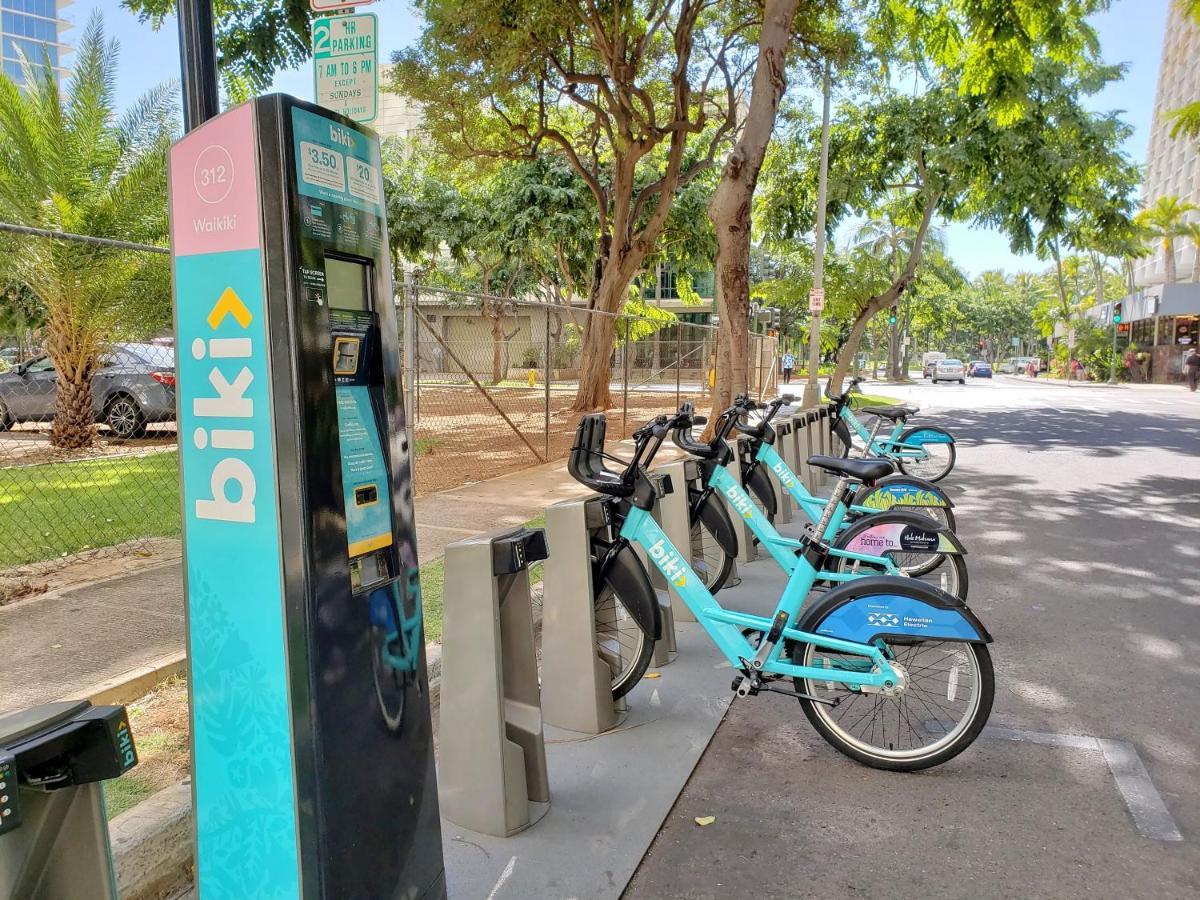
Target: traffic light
x=981, y=343
x=892, y=319
x=1117, y=313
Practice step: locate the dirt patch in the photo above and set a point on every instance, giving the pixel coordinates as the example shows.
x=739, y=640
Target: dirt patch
x=29, y=444
x=461, y=438
x=87, y=567
x=161, y=725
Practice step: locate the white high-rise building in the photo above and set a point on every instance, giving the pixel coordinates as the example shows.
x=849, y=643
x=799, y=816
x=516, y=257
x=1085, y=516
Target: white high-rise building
x=33, y=28
x=1171, y=163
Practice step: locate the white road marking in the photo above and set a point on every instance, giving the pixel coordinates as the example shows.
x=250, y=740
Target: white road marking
x=504, y=876
x=1150, y=814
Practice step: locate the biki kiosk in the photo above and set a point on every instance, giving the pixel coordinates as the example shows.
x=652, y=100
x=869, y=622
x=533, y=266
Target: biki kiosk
x=313, y=770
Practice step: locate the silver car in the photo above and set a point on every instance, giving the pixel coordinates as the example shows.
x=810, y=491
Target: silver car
x=133, y=386
x=949, y=370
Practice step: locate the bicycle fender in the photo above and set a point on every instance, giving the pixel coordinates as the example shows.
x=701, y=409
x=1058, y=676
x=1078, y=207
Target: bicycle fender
x=842, y=430
x=884, y=606
x=716, y=519
x=899, y=532
x=926, y=435
x=626, y=575
x=759, y=484
x=901, y=491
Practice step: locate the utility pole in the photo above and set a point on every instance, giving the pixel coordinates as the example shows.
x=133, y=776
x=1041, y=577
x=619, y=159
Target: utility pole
x=812, y=390
x=198, y=63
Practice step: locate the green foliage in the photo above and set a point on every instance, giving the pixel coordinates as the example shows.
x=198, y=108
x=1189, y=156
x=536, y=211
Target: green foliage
x=254, y=39
x=641, y=320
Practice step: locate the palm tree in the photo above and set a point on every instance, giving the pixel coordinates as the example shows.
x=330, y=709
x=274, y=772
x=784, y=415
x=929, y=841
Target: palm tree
x=69, y=164
x=1165, y=220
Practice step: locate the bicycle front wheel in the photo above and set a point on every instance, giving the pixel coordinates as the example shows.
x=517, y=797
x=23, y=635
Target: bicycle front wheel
x=939, y=709
x=935, y=465
x=620, y=642
x=709, y=560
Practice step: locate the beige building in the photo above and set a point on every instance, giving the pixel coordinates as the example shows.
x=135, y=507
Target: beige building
x=1171, y=163
x=398, y=116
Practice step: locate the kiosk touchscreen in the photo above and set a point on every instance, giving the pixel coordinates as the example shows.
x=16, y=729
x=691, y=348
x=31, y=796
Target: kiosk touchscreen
x=312, y=749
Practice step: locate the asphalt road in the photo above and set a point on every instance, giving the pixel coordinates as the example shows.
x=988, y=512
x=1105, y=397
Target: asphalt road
x=1081, y=510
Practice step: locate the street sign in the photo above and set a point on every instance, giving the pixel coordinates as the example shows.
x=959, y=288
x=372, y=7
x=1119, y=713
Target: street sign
x=327, y=5
x=346, y=65
x=816, y=300
x=1016, y=342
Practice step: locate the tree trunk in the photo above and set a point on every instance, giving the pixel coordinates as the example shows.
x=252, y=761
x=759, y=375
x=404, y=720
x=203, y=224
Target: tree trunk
x=730, y=206
x=1169, y=251
x=74, y=420
x=497, y=317
x=1195, y=263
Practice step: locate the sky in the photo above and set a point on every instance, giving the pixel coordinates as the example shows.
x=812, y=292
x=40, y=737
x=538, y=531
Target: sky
x=1131, y=32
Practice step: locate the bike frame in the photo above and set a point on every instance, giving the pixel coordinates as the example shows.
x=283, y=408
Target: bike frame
x=812, y=505
x=783, y=549
x=725, y=626
x=890, y=446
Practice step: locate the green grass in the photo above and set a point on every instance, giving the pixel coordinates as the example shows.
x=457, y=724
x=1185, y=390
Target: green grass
x=433, y=583
x=125, y=792
x=58, y=508
x=859, y=400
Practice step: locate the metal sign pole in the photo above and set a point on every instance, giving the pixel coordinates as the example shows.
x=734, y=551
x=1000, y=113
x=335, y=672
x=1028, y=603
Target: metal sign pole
x=198, y=63
x=812, y=390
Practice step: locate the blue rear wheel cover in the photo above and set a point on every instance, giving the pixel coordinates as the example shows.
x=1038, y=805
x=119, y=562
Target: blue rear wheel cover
x=888, y=606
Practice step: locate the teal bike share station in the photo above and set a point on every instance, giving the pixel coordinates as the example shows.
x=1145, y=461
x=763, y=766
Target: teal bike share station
x=313, y=769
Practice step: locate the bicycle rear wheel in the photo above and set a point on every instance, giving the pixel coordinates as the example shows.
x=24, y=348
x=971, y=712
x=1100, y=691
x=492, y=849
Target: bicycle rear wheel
x=620, y=642
x=936, y=713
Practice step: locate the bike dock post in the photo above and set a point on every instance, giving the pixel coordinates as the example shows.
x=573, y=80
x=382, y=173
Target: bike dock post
x=492, y=753
x=747, y=551
x=810, y=446
x=783, y=500
x=576, y=678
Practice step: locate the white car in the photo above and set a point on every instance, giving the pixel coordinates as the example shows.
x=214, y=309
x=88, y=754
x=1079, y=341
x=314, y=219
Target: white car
x=949, y=370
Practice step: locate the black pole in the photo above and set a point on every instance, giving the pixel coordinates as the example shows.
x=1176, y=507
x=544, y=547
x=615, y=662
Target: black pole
x=198, y=63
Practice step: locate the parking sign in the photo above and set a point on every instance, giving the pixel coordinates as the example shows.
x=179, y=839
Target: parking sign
x=346, y=65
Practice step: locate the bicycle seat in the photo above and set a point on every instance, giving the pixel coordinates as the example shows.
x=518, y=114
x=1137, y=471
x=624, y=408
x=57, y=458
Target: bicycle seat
x=864, y=470
x=895, y=413
x=586, y=464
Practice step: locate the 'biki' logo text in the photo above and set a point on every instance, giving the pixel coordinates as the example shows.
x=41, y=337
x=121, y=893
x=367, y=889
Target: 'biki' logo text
x=785, y=477
x=740, y=500
x=230, y=402
x=669, y=562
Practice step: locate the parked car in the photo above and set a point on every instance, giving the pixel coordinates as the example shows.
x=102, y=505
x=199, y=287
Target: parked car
x=949, y=370
x=928, y=360
x=979, y=369
x=1017, y=365
x=134, y=385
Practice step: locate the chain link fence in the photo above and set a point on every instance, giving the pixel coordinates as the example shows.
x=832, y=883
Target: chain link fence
x=88, y=451
x=87, y=398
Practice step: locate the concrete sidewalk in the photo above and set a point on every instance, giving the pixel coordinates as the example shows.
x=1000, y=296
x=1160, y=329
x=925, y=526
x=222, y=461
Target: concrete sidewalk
x=66, y=642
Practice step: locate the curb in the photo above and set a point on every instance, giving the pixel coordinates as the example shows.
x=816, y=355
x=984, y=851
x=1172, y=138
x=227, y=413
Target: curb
x=135, y=682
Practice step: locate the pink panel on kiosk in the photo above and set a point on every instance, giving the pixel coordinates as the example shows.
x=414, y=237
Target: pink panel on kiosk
x=214, y=186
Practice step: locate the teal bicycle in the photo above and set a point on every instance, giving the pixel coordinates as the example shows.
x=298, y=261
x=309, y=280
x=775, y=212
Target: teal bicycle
x=896, y=542
x=892, y=672
x=924, y=451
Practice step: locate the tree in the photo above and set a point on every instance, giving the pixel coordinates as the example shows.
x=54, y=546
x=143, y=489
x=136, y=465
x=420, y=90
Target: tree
x=1165, y=220
x=637, y=97
x=254, y=39
x=69, y=164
